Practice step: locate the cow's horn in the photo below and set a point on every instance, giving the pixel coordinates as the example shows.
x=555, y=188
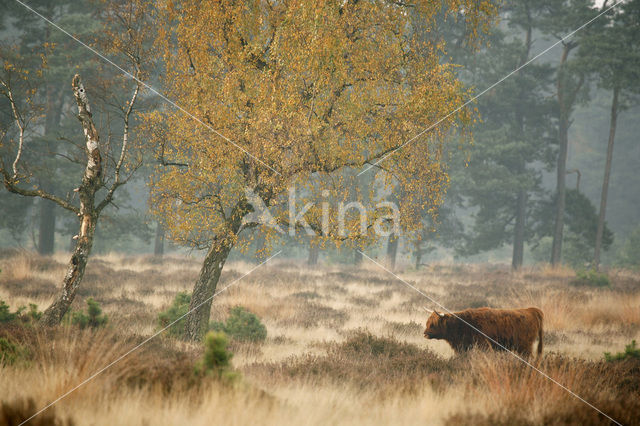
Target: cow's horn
x=427, y=309
x=439, y=313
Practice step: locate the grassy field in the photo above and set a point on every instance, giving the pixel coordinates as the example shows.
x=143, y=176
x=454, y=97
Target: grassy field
x=344, y=346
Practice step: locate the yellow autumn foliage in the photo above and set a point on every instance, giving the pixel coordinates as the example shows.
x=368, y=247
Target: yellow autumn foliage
x=304, y=94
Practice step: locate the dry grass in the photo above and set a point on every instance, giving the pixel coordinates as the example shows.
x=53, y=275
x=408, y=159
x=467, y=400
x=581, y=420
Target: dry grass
x=344, y=346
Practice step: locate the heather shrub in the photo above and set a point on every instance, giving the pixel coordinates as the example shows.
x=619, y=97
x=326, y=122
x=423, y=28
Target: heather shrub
x=177, y=310
x=242, y=326
x=591, y=278
x=630, y=351
x=5, y=313
x=216, y=360
x=383, y=364
x=94, y=317
x=31, y=315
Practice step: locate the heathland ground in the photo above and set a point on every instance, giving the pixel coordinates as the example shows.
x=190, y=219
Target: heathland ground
x=344, y=346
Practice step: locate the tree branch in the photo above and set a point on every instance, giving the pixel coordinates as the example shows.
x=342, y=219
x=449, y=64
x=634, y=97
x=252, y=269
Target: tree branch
x=125, y=143
x=12, y=186
x=17, y=117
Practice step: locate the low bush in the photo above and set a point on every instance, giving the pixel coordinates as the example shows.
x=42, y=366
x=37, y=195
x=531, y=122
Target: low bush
x=178, y=309
x=571, y=413
x=365, y=361
x=216, y=360
x=29, y=316
x=10, y=352
x=242, y=326
x=94, y=317
x=591, y=278
x=5, y=313
x=630, y=351
x=612, y=387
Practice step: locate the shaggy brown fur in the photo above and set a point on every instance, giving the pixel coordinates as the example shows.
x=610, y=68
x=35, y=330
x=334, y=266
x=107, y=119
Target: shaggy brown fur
x=515, y=329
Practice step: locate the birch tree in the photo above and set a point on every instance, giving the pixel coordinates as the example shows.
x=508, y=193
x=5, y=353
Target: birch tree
x=106, y=166
x=297, y=98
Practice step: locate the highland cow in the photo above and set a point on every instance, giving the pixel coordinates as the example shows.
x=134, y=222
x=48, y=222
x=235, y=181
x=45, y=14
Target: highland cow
x=513, y=329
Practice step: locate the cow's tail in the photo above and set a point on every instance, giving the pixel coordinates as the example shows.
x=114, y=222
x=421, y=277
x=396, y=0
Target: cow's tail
x=540, y=316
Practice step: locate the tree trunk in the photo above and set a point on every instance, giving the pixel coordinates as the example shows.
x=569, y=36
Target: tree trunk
x=91, y=182
x=392, y=250
x=519, y=230
x=357, y=257
x=47, y=224
x=197, y=320
x=314, y=253
x=46, y=228
x=605, y=180
x=418, y=253
x=261, y=248
x=521, y=203
x=564, y=106
x=556, y=248
x=158, y=247
x=75, y=271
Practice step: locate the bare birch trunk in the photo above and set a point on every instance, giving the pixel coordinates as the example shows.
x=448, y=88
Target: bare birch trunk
x=91, y=182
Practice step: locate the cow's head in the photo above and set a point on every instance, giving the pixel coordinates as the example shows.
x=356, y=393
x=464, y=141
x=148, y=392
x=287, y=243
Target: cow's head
x=436, y=325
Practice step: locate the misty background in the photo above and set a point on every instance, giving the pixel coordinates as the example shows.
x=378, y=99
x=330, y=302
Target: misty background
x=478, y=219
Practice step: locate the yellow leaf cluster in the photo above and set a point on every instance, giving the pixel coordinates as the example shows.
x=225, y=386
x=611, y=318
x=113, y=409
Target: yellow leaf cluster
x=314, y=90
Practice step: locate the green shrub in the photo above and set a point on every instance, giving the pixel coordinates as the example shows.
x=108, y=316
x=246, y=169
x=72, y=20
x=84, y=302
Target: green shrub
x=27, y=316
x=242, y=326
x=217, y=358
x=178, y=309
x=10, y=352
x=93, y=318
x=591, y=278
x=630, y=351
x=5, y=314
x=32, y=315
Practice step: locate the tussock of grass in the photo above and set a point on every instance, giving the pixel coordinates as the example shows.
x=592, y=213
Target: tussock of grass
x=519, y=395
x=364, y=361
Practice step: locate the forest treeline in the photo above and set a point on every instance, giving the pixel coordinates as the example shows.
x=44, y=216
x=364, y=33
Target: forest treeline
x=191, y=104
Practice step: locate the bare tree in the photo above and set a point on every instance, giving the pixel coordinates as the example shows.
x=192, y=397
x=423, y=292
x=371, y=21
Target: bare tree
x=89, y=209
x=107, y=166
